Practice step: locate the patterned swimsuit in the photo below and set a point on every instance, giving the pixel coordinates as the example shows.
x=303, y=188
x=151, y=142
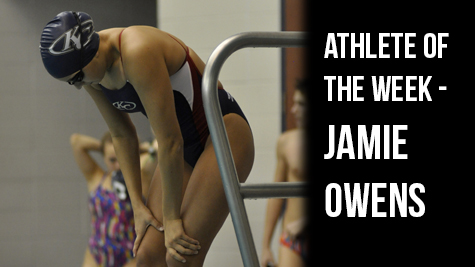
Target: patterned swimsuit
x=113, y=235
x=299, y=245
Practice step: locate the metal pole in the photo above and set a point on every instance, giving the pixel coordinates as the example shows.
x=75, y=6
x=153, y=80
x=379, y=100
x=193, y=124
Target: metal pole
x=274, y=190
x=218, y=132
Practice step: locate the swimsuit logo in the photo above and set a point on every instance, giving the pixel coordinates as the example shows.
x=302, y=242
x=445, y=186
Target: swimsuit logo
x=124, y=105
x=230, y=97
x=72, y=40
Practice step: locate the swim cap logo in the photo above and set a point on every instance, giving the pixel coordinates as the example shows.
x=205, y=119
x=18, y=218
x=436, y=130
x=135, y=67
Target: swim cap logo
x=72, y=39
x=230, y=97
x=124, y=105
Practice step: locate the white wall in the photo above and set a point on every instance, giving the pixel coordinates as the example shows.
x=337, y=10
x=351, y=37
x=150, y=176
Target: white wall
x=251, y=75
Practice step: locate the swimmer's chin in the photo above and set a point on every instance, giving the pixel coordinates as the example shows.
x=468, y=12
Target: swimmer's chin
x=79, y=86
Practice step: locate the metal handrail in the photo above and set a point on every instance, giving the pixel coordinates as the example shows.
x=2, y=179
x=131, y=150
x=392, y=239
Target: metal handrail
x=234, y=191
x=273, y=190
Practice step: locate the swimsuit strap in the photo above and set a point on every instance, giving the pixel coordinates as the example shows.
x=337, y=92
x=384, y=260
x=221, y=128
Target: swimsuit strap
x=184, y=47
x=120, y=53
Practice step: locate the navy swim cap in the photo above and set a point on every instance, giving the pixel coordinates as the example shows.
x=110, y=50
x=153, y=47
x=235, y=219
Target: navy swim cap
x=61, y=43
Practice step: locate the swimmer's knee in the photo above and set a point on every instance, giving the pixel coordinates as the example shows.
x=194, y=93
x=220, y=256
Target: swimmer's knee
x=194, y=260
x=149, y=257
x=171, y=262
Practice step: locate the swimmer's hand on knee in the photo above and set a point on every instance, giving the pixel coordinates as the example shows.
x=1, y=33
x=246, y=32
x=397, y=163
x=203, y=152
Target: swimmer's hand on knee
x=143, y=219
x=177, y=242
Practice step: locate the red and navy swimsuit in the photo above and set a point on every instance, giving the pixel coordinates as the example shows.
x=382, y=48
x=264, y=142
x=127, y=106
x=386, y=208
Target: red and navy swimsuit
x=186, y=84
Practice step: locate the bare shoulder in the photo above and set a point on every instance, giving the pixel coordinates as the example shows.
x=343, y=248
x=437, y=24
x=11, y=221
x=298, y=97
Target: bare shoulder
x=283, y=141
x=290, y=140
x=144, y=47
x=95, y=180
x=137, y=38
x=111, y=35
x=110, y=31
x=289, y=135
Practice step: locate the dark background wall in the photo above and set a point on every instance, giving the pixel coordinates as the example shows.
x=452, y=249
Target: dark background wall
x=44, y=219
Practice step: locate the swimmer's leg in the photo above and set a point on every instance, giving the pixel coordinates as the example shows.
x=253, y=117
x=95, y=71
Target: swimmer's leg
x=204, y=207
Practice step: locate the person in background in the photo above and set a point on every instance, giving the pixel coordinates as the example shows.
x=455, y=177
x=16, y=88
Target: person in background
x=112, y=221
x=293, y=250
x=148, y=164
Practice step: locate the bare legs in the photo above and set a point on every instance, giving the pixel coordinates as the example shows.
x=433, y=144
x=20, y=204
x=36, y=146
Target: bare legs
x=204, y=208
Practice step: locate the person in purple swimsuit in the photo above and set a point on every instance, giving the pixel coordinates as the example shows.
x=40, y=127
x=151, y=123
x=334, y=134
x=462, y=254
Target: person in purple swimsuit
x=143, y=69
x=112, y=221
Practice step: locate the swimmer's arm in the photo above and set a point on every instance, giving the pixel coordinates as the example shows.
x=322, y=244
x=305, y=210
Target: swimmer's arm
x=81, y=146
x=274, y=205
x=126, y=144
x=145, y=67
